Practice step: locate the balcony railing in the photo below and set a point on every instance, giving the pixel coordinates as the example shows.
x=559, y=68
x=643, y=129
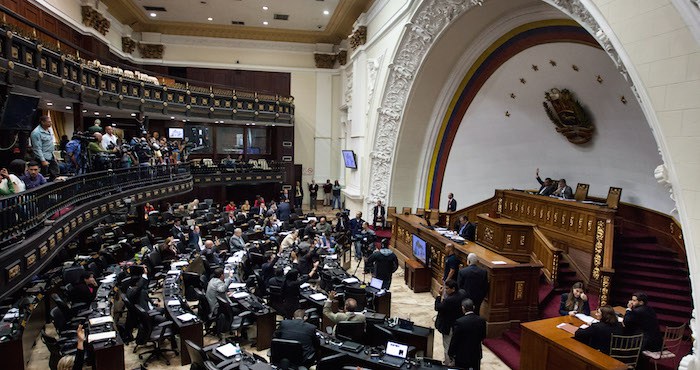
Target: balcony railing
x=21, y=213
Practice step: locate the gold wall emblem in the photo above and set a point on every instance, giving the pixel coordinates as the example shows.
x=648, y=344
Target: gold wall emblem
x=568, y=115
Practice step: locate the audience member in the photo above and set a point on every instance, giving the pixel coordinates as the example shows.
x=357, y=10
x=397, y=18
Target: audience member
x=313, y=194
x=11, y=183
x=109, y=139
x=574, y=302
x=347, y=314
x=43, y=147
x=641, y=318
x=298, y=195
x=598, y=334
x=327, y=192
x=336, y=195
x=448, y=305
x=32, y=178
x=474, y=281
x=468, y=333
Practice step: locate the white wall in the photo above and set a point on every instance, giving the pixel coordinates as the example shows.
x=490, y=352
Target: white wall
x=494, y=151
x=304, y=92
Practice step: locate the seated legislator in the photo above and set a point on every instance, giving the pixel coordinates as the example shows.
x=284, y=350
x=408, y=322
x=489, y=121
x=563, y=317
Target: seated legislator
x=466, y=229
x=547, y=186
x=236, y=243
x=563, y=190
x=217, y=287
x=291, y=291
x=348, y=314
x=289, y=240
x=323, y=227
x=84, y=291
x=640, y=318
x=177, y=231
x=301, y=331
x=598, y=334
x=278, y=279
x=230, y=207
x=168, y=249
x=574, y=302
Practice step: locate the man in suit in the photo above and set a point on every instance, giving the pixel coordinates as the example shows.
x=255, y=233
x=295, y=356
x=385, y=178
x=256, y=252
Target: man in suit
x=448, y=305
x=348, y=314
x=313, y=194
x=210, y=253
x=467, y=334
x=196, y=241
x=217, y=287
x=236, y=243
x=466, y=229
x=284, y=210
x=379, y=215
x=229, y=219
x=564, y=191
x=474, y=281
x=640, y=318
x=546, y=186
x=177, y=231
x=301, y=331
x=451, y=203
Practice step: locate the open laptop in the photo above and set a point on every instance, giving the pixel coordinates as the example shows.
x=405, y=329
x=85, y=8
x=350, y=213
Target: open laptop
x=395, y=354
x=375, y=285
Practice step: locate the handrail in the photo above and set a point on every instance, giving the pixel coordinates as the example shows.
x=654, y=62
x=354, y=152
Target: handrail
x=544, y=251
x=81, y=53
x=20, y=213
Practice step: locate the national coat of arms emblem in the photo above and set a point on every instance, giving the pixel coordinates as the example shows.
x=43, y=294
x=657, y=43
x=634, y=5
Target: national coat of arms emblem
x=569, y=117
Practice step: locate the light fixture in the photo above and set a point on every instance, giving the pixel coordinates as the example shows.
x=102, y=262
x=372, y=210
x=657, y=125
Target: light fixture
x=110, y=116
x=153, y=15
x=184, y=120
x=265, y=8
x=84, y=110
x=210, y=19
x=265, y=23
x=97, y=113
x=133, y=114
x=48, y=103
x=172, y=117
x=326, y=12
x=68, y=107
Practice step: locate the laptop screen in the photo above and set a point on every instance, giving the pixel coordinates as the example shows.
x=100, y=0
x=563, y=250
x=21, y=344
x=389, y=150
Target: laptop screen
x=376, y=283
x=396, y=349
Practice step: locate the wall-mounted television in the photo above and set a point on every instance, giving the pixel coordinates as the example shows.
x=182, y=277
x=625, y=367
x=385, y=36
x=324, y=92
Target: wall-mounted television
x=349, y=159
x=176, y=133
x=419, y=249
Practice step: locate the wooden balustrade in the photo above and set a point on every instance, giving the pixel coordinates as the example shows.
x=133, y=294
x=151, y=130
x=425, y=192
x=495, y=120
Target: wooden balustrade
x=547, y=254
x=448, y=219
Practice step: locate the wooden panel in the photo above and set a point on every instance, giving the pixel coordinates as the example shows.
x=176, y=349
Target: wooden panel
x=31, y=12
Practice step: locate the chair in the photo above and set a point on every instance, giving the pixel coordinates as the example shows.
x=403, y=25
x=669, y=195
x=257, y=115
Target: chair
x=581, y=192
x=57, y=349
x=64, y=327
x=155, y=334
x=205, y=313
x=673, y=336
x=406, y=210
x=360, y=295
x=626, y=348
x=276, y=300
x=434, y=217
x=613, y=199
x=237, y=321
x=191, y=282
x=390, y=216
x=333, y=362
x=199, y=357
x=291, y=350
x=352, y=330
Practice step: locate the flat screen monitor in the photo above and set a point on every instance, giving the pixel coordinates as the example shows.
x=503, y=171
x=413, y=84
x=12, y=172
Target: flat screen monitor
x=176, y=133
x=396, y=349
x=419, y=248
x=349, y=159
x=376, y=283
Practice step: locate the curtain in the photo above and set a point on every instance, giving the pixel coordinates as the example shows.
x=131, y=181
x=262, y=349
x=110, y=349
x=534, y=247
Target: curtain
x=59, y=125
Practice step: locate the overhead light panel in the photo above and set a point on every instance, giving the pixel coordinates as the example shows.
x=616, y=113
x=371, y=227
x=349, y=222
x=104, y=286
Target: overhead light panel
x=266, y=23
x=48, y=103
x=265, y=8
x=210, y=19
x=68, y=107
x=153, y=15
x=326, y=12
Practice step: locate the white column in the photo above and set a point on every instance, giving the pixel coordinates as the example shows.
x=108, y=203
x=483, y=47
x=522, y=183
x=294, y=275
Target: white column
x=322, y=134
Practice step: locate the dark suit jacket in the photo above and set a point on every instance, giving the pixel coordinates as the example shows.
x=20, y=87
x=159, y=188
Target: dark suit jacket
x=547, y=189
x=566, y=193
x=598, y=335
x=178, y=234
x=643, y=320
x=138, y=294
x=81, y=293
x=283, y=211
x=475, y=283
x=451, y=205
x=300, y=331
x=563, y=310
x=465, y=346
x=379, y=211
x=469, y=231
x=448, y=311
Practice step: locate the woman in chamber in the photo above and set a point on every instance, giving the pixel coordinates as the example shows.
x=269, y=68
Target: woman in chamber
x=598, y=334
x=574, y=302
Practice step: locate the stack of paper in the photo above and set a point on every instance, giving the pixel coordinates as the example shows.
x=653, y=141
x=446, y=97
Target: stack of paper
x=186, y=317
x=499, y=262
x=229, y=350
x=585, y=318
x=174, y=302
x=350, y=280
x=179, y=264
x=236, y=285
x=94, y=337
x=304, y=286
x=318, y=296
x=101, y=320
x=240, y=295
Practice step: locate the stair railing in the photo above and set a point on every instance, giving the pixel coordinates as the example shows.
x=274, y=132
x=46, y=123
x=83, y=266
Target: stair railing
x=546, y=253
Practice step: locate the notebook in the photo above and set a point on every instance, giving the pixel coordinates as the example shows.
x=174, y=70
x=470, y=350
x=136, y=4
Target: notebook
x=101, y=320
x=101, y=336
x=229, y=350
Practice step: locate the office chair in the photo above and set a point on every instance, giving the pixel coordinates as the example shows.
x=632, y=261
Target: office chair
x=57, y=349
x=71, y=311
x=289, y=350
x=155, y=265
x=204, y=312
x=673, y=337
x=352, y=330
x=276, y=301
x=64, y=327
x=313, y=317
x=192, y=282
x=235, y=322
x=626, y=349
x=199, y=357
x=156, y=334
x=333, y=362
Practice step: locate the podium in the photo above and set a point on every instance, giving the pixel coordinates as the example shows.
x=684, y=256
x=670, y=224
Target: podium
x=416, y=276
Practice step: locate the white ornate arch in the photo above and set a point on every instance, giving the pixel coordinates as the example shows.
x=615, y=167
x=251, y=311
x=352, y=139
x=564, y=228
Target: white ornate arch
x=430, y=19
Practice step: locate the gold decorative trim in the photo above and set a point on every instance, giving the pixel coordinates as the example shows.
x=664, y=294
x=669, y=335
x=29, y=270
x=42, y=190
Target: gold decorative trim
x=519, y=290
x=605, y=290
x=128, y=45
x=598, y=249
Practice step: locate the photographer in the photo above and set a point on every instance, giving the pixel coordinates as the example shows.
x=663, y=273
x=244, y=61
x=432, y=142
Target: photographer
x=364, y=241
x=128, y=157
x=143, y=152
x=382, y=263
x=74, y=149
x=100, y=156
x=109, y=140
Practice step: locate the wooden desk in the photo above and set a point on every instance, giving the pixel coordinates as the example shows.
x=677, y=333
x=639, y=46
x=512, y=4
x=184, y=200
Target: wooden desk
x=416, y=276
x=513, y=286
x=544, y=346
x=510, y=238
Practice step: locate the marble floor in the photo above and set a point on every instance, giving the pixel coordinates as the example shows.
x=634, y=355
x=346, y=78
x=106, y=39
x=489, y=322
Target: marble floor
x=404, y=303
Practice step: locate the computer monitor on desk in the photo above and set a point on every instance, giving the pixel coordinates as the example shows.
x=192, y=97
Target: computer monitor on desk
x=376, y=283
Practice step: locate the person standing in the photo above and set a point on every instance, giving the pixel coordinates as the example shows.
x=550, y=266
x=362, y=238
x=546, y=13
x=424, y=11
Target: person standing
x=448, y=305
x=451, y=203
x=379, y=215
x=474, y=281
x=42, y=146
x=298, y=196
x=383, y=262
x=313, y=194
x=451, y=263
x=327, y=190
x=467, y=334
x=336, y=194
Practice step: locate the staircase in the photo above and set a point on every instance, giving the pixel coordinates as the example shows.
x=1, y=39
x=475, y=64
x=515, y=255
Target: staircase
x=643, y=264
x=506, y=347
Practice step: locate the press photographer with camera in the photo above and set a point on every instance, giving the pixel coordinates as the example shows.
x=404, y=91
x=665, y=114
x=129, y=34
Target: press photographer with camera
x=101, y=158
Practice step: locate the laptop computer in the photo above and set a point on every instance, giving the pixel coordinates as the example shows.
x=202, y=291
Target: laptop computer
x=375, y=285
x=395, y=354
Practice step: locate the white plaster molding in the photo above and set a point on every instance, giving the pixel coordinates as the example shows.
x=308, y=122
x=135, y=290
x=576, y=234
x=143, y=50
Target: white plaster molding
x=690, y=12
x=373, y=66
x=398, y=16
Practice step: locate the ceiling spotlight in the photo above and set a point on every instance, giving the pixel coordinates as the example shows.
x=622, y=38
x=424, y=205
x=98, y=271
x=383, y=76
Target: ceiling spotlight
x=97, y=113
x=265, y=23
x=110, y=116
x=84, y=110
x=153, y=15
x=265, y=8
x=48, y=103
x=68, y=107
x=326, y=12
x=172, y=117
x=184, y=120
x=133, y=114
x=210, y=19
